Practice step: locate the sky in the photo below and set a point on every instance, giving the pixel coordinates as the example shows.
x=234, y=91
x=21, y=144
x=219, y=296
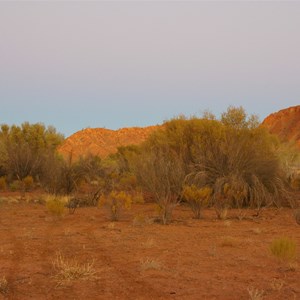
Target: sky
x=117, y=64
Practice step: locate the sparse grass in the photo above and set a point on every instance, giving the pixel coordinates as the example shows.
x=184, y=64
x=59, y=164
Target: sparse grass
x=284, y=249
x=255, y=294
x=150, y=264
x=69, y=269
x=241, y=214
x=149, y=243
x=3, y=286
x=222, y=213
x=277, y=284
x=227, y=223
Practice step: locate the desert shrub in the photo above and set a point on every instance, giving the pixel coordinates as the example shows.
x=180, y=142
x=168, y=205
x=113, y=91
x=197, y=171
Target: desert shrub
x=25, y=147
x=15, y=186
x=115, y=202
x=160, y=172
x=3, y=183
x=197, y=198
x=284, y=249
x=229, y=192
x=28, y=183
x=240, y=164
x=55, y=205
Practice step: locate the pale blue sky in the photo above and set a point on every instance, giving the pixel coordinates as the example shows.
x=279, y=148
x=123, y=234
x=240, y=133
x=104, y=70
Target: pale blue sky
x=118, y=64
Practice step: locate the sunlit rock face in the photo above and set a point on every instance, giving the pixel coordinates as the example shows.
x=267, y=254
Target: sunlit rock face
x=285, y=123
x=102, y=141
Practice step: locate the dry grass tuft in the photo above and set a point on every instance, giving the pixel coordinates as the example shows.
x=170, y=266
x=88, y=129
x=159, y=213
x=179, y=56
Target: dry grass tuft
x=149, y=243
x=284, y=249
x=150, y=264
x=3, y=286
x=70, y=269
x=277, y=284
x=255, y=294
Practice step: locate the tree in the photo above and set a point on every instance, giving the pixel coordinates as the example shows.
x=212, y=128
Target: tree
x=24, y=148
x=161, y=173
x=237, y=118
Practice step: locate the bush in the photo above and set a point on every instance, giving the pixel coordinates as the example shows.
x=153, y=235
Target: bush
x=284, y=249
x=197, y=198
x=15, y=186
x=3, y=184
x=160, y=172
x=115, y=202
x=28, y=183
x=55, y=205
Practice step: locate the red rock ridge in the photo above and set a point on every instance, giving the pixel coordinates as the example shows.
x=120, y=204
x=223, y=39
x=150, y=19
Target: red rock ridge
x=102, y=142
x=285, y=123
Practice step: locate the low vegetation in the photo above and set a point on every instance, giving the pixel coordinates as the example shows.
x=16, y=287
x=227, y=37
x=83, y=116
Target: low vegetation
x=284, y=249
x=115, y=202
x=55, y=205
x=68, y=269
x=230, y=162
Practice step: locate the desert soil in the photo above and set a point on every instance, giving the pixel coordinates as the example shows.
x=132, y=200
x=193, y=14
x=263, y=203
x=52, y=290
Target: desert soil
x=136, y=258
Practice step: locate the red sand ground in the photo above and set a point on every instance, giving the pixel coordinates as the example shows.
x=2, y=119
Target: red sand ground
x=188, y=259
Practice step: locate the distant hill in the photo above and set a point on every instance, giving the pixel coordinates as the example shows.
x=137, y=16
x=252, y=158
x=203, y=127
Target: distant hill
x=285, y=123
x=102, y=142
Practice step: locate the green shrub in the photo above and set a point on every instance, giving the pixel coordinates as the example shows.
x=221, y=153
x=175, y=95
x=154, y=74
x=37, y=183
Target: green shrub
x=197, y=198
x=284, y=249
x=115, y=202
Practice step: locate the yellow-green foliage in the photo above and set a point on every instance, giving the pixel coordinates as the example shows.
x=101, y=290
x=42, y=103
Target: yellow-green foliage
x=3, y=184
x=284, y=249
x=115, y=202
x=197, y=197
x=55, y=205
x=28, y=183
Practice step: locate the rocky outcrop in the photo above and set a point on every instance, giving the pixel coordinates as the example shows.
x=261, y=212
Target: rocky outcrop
x=102, y=142
x=285, y=123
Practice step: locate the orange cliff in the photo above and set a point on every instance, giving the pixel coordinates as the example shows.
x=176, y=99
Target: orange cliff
x=285, y=123
x=102, y=142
